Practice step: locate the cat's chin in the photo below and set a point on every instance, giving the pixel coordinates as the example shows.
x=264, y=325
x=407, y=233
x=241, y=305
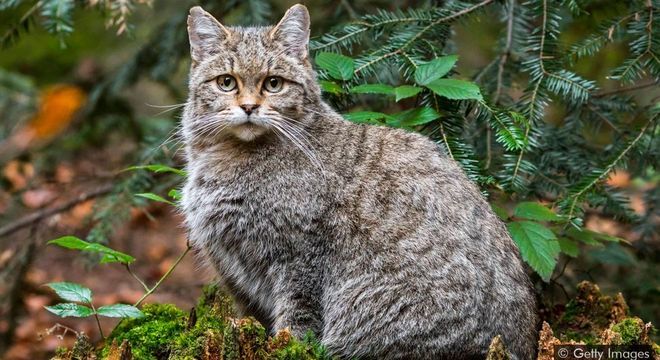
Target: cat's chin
x=248, y=131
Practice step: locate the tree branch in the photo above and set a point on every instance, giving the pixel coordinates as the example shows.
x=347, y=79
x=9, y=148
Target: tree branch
x=625, y=89
x=45, y=213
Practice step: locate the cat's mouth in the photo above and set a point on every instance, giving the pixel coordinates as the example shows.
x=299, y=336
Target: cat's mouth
x=249, y=130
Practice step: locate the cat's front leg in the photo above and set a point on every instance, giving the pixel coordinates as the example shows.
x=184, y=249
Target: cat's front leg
x=297, y=305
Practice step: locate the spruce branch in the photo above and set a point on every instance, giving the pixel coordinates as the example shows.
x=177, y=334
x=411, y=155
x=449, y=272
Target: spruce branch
x=410, y=41
x=578, y=193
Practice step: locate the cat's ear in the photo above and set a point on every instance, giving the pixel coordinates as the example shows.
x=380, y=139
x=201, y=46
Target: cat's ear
x=293, y=31
x=205, y=34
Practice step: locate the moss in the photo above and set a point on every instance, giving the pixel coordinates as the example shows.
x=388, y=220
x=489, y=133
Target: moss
x=210, y=331
x=149, y=336
x=630, y=331
x=284, y=347
x=61, y=352
x=251, y=339
x=205, y=326
x=592, y=318
x=589, y=314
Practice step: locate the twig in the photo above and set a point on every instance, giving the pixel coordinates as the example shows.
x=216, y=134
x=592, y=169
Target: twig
x=128, y=268
x=500, y=74
x=165, y=276
x=489, y=147
x=563, y=269
x=45, y=213
x=625, y=89
x=505, y=53
x=602, y=117
x=65, y=329
x=98, y=322
x=349, y=9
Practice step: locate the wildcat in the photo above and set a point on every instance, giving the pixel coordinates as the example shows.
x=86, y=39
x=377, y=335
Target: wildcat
x=368, y=236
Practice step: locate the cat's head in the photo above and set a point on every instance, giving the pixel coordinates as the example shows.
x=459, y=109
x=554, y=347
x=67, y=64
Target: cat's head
x=246, y=82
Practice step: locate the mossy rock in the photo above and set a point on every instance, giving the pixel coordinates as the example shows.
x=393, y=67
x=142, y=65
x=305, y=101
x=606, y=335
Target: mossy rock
x=149, y=336
x=593, y=318
x=211, y=330
x=589, y=314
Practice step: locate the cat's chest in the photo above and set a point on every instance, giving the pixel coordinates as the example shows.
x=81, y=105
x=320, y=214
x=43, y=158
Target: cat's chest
x=243, y=209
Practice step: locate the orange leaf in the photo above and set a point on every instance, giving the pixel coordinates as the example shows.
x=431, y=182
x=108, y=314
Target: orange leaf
x=57, y=108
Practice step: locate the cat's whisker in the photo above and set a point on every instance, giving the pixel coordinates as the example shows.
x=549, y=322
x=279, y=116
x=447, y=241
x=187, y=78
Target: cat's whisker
x=300, y=128
x=298, y=141
x=167, y=108
x=304, y=149
x=174, y=106
x=302, y=134
x=313, y=111
x=174, y=135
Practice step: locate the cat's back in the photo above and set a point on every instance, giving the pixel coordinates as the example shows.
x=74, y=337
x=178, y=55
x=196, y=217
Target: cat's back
x=422, y=228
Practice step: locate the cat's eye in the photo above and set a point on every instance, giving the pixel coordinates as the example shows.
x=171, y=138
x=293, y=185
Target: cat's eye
x=226, y=83
x=273, y=84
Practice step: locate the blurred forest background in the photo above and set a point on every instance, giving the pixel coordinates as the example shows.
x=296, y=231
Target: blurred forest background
x=566, y=117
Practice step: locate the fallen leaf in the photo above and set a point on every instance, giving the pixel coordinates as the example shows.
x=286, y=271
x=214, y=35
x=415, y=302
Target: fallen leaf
x=157, y=252
x=64, y=173
x=38, y=198
x=36, y=303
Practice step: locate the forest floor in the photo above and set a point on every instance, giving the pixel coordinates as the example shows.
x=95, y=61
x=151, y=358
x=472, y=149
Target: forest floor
x=155, y=243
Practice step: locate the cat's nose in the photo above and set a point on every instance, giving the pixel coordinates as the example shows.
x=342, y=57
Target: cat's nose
x=248, y=108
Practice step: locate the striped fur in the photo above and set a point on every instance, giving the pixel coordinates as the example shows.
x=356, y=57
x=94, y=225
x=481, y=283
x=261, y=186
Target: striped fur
x=368, y=236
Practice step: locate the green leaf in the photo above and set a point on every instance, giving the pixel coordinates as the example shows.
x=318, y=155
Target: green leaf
x=72, y=292
x=158, y=168
x=154, y=197
x=538, y=246
x=435, y=69
x=175, y=194
x=331, y=87
x=70, y=242
x=338, y=66
x=369, y=117
x=373, y=89
x=455, y=89
x=569, y=247
x=583, y=235
x=109, y=255
x=534, y=211
x=413, y=117
x=119, y=311
x=70, y=310
x=614, y=254
x=500, y=211
x=607, y=238
x=114, y=257
x=406, y=91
